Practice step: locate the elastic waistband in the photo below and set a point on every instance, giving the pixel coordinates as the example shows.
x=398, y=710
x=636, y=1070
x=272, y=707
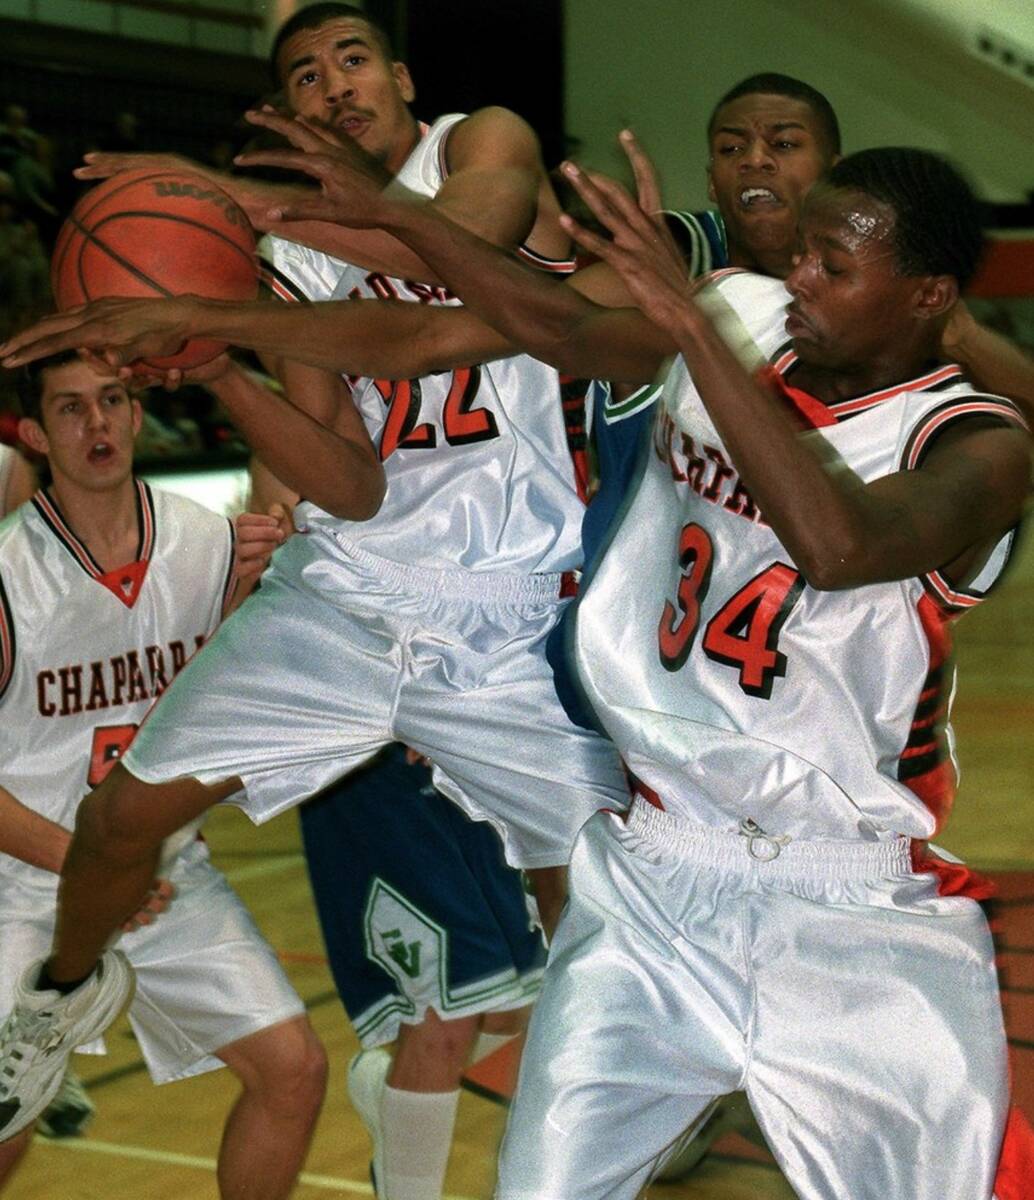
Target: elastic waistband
x=771, y=855
x=495, y=586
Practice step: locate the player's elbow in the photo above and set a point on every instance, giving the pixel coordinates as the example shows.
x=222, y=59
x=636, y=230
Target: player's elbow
x=359, y=494
x=834, y=565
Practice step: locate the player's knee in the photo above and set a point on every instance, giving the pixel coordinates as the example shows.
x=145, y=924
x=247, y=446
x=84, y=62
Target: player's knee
x=291, y=1074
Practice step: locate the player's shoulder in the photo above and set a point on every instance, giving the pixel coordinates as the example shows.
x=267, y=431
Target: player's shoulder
x=489, y=133
x=203, y=524
x=701, y=238
x=292, y=271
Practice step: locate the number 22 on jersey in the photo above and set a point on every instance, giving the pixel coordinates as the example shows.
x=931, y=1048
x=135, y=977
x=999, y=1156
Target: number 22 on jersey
x=460, y=422
x=744, y=633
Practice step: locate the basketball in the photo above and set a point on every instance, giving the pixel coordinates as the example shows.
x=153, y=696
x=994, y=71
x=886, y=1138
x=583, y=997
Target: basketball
x=156, y=233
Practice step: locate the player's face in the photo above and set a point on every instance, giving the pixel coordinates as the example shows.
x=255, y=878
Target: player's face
x=766, y=152
x=339, y=74
x=89, y=423
x=851, y=305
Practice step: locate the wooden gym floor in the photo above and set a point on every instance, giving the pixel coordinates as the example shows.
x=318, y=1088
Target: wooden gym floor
x=159, y=1143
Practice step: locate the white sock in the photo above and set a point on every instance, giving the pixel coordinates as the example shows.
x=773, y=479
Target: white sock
x=488, y=1043
x=417, y=1130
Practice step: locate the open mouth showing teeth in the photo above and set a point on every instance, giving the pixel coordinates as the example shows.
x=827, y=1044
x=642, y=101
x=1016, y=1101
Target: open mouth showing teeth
x=751, y=197
x=100, y=452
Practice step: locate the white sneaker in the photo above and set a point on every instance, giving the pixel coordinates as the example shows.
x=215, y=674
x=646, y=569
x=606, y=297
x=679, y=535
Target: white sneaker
x=367, y=1076
x=71, y=1110
x=43, y=1030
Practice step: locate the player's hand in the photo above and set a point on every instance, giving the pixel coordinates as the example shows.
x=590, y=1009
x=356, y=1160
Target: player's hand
x=351, y=182
x=640, y=248
x=961, y=324
x=154, y=903
x=258, y=535
x=116, y=331
x=102, y=164
x=143, y=374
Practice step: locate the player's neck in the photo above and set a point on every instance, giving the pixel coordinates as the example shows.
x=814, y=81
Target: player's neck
x=775, y=262
x=105, y=521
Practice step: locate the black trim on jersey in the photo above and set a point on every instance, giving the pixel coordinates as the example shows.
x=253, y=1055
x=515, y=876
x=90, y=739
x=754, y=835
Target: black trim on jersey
x=956, y=402
x=7, y=656
x=57, y=532
x=926, y=708
x=266, y=267
x=144, y=496
x=921, y=764
x=231, y=574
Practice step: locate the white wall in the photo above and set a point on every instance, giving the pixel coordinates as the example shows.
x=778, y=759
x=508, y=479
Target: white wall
x=896, y=71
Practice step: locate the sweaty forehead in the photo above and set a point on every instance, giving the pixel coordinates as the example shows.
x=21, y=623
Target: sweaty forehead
x=847, y=217
x=310, y=43
x=763, y=112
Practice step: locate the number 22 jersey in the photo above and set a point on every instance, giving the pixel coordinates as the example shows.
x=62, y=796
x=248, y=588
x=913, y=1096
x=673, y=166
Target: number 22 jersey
x=485, y=465
x=732, y=689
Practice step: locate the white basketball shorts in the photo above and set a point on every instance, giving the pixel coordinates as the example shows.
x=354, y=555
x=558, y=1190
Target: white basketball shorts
x=205, y=976
x=328, y=662
x=857, y=1008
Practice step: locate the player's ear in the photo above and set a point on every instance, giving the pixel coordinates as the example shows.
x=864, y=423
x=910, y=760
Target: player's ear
x=138, y=414
x=937, y=295
x=33, y=435
x=404, y=81
x=710, y=184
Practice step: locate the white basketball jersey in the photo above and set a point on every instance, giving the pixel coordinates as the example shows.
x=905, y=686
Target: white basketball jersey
x=485, y=465
x=83, y=652
x=732, y=689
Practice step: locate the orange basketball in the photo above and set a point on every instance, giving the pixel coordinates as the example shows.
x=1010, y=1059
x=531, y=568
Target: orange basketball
x=156, y=233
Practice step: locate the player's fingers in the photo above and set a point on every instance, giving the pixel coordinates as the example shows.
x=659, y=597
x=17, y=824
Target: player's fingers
x=647, y=187
x=285, y=160
x=598, y=246
x=598, y=203
x=628, y=215
x=300, y=135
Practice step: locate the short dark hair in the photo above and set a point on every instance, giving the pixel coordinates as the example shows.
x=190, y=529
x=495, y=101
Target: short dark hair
x=774, y=84
x=937, y=218
x=29, y=382
x=319, y=14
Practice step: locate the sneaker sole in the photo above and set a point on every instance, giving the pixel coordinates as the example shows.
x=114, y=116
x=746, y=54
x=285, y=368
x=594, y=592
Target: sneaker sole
x=16, y=1114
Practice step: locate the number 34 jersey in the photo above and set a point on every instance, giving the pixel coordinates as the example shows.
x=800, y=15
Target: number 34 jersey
x=485, y=464
x=84, y=652
x=733, y=689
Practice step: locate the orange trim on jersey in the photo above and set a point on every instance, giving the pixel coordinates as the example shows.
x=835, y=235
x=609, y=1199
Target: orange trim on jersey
x=813, y=412
x=648, y=794
x=846, y=408
x=1016, y=1164
x=934, y=422
x=857, y=404
x=7, y=640
x=953, y=879
x=123, y=582
x=935, y=787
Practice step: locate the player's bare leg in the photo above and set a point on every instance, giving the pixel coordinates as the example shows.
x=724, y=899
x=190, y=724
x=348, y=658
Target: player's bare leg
x=549, y=885
x=283, y=1070
x=113, y=859
x=11, y=1153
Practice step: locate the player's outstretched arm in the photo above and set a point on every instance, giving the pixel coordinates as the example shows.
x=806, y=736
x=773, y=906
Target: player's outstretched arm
x=493, y=189
x=383, y=339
